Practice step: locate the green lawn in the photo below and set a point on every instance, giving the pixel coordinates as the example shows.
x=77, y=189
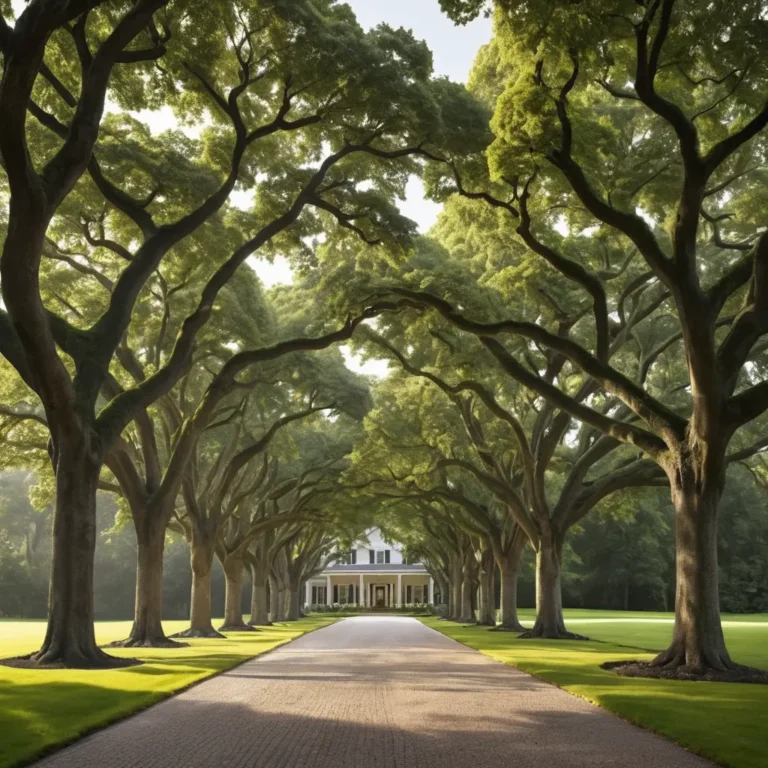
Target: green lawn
x=746, y=635
x=724, y=722
x=40, y=709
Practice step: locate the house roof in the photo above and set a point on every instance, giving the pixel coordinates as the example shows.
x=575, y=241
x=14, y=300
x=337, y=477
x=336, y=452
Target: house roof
x=373, y=568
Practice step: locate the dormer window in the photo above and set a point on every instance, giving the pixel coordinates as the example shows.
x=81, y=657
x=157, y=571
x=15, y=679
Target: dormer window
x=382, y=556
x=348, y=558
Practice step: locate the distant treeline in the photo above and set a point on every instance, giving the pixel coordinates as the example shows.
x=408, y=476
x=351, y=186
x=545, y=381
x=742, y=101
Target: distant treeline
x=620, y=558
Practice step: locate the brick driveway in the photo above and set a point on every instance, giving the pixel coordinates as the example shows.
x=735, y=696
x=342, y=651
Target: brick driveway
x=373, y=692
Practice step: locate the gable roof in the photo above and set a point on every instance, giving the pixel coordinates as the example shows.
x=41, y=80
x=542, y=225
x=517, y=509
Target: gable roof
x=363, y=567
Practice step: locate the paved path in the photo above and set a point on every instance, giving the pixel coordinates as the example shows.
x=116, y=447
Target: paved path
x=373, y=692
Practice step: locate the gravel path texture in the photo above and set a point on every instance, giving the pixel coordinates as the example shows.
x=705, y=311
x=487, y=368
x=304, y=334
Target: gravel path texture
x=373, y=692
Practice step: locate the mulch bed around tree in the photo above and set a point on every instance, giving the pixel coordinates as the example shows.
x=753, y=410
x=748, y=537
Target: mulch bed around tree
x=647, y=669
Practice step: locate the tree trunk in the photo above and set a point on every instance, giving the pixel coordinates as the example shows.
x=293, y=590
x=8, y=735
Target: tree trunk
x=444, y=608
x=201, y=560
x=282, y=588
x=234, y=568
x=283, y=601
x=294, y=604
x=70, y=638
x=467, y=615
x=697, y=641
x=487, y=601
x=550, y=622
x=274, y=600
x=509, y=566
x=147, y=630
x=259, y=595
x=456, y=586
x=303, y=609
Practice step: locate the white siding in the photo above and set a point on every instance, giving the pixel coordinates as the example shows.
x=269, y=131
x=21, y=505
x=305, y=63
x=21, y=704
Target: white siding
x=376, y=543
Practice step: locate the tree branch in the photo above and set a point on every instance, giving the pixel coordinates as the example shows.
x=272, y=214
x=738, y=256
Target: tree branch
x=752, y=321
x=660, y=418
x=17, y=415
x=748, y=405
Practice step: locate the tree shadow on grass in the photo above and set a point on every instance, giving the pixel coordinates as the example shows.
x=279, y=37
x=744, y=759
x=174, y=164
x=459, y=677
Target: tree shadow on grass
x=39, y=716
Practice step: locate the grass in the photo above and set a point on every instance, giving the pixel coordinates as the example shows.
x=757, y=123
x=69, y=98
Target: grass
x=745, y=634
x=721, y=721
x=42, y=709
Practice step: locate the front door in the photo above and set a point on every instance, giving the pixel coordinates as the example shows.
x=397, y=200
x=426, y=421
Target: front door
x=380, y=597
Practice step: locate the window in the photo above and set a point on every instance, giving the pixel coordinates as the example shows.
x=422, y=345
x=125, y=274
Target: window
x=417, y=594
x=347, y=594
x=348, y=558
x=382, y=556
x=319, y=596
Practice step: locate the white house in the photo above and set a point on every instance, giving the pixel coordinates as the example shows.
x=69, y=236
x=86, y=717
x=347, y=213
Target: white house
x=372, y=574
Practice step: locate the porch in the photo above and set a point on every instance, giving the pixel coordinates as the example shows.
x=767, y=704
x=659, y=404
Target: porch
x=381, y=589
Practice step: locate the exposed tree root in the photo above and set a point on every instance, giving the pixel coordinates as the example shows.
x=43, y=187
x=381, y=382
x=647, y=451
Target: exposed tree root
x=709, y=656
x=735, y=673
x=517, y=628
x=237, y=628
x=146, y=642
x=200, y=633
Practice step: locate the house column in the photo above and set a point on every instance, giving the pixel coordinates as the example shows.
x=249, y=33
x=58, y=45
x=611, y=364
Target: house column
x=308, y=595
x=399, y=590
x=363, y=601
x=328, y=591
x=431, y=591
